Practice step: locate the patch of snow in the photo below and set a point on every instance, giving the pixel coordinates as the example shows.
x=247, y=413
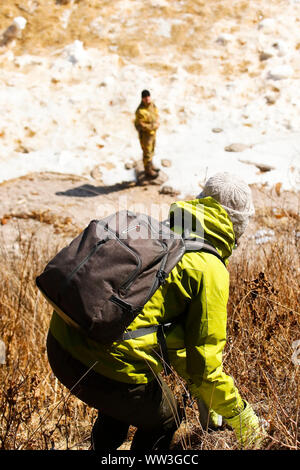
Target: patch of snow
x=263, y=236
x=74, y=109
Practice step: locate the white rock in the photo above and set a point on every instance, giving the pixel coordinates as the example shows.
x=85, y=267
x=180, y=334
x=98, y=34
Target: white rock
x=167, y=189
x=166, y=162
x=224, y=38
x=280, y=72
x=74, y=52
x=268, y=25
x=236, y=147
x=20, y=22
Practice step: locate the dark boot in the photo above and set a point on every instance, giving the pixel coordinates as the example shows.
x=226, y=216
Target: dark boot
x=108, y=434
x=149, y=172
x=154, y=168
x=153, y=441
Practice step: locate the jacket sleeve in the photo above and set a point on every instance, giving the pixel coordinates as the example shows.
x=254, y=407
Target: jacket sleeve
x=200, y=361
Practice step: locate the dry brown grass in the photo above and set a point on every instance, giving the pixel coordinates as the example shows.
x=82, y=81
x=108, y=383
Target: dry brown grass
x=36, y=412
x=46, y=31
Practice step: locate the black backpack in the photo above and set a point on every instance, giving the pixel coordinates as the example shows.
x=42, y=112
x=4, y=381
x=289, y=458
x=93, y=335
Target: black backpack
x=104, y=277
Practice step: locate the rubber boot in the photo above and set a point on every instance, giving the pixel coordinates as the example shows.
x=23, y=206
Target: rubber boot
x=154, y=168
x=149, y=172
x=153, y=441
x=108, y=434
x=209, y=420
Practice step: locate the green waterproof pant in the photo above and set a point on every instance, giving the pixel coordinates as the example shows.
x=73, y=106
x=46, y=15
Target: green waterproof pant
x=150, y=407
x=147, y=142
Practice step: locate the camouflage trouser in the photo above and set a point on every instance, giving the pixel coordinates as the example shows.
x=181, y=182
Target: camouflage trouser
x=147, y=142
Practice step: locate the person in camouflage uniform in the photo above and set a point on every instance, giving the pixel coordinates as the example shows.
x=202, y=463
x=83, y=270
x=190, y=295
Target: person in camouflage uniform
x=147, y=123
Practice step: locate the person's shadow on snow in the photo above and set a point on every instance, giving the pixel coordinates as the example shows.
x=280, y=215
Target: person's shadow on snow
x=88, y=190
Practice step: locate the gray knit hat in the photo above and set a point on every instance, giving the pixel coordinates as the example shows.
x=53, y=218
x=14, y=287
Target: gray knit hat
x=234, y=195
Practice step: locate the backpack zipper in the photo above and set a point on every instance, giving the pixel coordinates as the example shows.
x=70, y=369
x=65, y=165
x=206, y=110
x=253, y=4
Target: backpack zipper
x=91, y=253
x=160, y=275
x=125, y=286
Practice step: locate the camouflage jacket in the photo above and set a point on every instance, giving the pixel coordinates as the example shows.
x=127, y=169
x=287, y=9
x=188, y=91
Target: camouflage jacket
x=146, y=118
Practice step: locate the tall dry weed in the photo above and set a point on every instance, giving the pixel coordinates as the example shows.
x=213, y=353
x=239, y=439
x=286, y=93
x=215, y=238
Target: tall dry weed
x=34, y=410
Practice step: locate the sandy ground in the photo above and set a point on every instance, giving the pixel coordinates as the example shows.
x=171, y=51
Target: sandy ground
x=55, y=208
x=60, y=206
x=56, y=23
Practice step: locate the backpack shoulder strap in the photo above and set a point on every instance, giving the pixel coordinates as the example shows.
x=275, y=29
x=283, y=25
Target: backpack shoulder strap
x=200, y=244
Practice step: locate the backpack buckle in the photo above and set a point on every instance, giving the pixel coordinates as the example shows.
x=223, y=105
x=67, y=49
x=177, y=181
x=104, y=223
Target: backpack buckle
x=161, y=275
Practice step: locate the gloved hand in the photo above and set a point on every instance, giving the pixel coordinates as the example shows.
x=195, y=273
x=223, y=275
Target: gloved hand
x=208, y=419
x=248, y=429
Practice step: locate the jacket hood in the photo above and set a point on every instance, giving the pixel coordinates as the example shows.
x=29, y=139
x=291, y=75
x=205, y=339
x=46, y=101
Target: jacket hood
x=204, y=218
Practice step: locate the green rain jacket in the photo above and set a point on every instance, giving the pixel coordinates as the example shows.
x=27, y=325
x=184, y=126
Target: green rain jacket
x=194, y=299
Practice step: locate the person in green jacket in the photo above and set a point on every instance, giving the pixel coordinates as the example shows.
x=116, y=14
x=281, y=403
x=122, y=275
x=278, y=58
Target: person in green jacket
x=146, y=123
x=124, y=382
